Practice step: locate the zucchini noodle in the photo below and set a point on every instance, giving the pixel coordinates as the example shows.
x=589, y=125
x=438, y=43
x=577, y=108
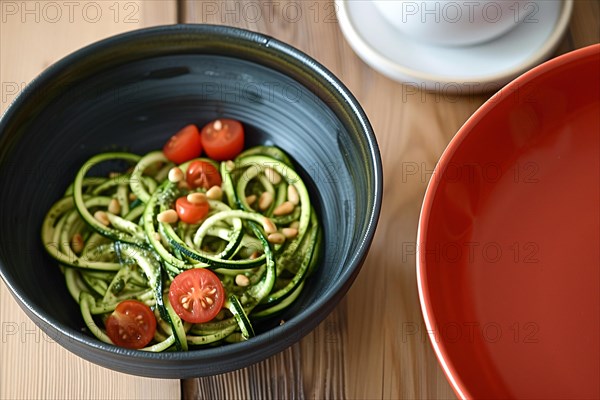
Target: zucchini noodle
x=261, y=237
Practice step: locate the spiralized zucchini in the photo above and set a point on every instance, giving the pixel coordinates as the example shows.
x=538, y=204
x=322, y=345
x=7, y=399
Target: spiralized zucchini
x=261, y=237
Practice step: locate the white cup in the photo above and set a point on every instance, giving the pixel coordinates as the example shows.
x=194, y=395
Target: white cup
x=453, y=22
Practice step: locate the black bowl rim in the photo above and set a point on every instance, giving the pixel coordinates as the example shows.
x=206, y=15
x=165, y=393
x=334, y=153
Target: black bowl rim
x=292, y=330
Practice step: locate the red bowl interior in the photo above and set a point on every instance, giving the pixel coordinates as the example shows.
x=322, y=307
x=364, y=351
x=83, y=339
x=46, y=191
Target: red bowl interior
x=509, y=256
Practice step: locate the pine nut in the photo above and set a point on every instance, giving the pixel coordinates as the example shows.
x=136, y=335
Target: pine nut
x=251, y=199
x=242, y=280
x=290, y=233
x=284, y=209
x=77, y=243
x=269, y=226
x=114, y=207
x=175, y=175
x=254, y=255
x=217, y=125
x=295, y=224
x=196, y=198
x=183, y=185
x=273, y=176
x=293, y=196
x=230, y=165
x=265, y=200
x=168, y=216
x=276, y=238
x=215, y=193
x=102, y=217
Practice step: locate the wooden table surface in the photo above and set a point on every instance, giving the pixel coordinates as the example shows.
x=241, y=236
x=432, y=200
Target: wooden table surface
x=374, y=344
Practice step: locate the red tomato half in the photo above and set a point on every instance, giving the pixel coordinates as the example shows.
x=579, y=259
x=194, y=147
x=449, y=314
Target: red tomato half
x=223, y=139
x=184, y=145
x=202, y=174
x=191, y=213
x=197, y=295
x=131, y=325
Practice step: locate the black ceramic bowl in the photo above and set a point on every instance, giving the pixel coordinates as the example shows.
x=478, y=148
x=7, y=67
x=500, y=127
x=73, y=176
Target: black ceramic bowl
x=131, y=92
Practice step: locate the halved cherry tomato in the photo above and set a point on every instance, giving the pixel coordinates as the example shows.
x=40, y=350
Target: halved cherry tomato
x=191, y=213
x=184, y=145
x=202, y=174
x=131, y=325
x=223, y=139
x=197, y=295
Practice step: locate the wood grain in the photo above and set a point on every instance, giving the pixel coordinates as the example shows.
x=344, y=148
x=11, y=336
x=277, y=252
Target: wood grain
x=374, y=345
x=33, y=36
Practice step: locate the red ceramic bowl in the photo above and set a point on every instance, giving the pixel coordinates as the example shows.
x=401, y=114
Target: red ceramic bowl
x=509, y=255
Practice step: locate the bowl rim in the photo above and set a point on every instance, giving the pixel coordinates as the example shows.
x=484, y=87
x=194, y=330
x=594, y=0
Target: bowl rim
x=282, y=55
x=504, y=94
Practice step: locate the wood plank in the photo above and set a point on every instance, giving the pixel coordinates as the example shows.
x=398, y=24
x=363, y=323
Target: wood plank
x=33, y=35
x=583, y=29
x=374, y=345
x=354, y=353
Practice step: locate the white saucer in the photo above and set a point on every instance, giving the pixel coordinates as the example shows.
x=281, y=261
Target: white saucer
x=484, y=67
